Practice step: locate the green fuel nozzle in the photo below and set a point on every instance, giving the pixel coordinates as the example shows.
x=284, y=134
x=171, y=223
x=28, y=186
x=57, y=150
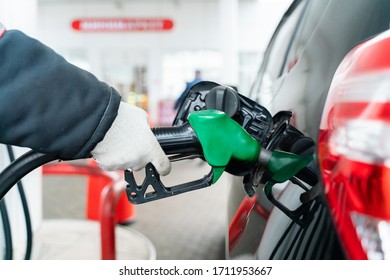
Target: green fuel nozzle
x=224, y=140
x=224, y=144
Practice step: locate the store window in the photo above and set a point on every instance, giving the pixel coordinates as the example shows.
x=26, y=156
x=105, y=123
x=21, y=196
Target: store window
x=248, y=63
x=127, y=72
x=179, y=68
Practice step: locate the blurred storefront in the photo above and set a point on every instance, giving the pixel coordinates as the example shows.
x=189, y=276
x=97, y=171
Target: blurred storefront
x=148, y=49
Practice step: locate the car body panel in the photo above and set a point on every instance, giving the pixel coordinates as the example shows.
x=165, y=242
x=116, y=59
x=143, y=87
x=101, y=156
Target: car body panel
x=320, y=35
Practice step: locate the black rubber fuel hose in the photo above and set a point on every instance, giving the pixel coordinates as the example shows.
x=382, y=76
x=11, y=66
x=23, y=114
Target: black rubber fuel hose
x=8, y=254
x=23, y=165
x=26, y=210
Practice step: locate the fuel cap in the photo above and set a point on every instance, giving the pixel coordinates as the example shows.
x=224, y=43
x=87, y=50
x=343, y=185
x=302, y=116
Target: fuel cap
x=223, y=98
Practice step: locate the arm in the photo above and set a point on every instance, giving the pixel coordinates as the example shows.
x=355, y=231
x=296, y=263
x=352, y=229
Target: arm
x=53, y=107
x=48, y=104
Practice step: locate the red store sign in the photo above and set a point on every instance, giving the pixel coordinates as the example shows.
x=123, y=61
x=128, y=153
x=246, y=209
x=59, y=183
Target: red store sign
x=122, y=24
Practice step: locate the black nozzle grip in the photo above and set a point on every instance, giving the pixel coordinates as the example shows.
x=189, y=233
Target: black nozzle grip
x=178, y=139
x=153, y=189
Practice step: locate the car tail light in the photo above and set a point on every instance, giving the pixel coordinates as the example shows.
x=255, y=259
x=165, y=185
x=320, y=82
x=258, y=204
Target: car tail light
x=373, y=234
x=354, y=150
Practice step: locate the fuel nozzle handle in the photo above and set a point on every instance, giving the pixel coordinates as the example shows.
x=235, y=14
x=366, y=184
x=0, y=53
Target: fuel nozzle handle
x=178, y=140
x=211, y=134
x=219, y=140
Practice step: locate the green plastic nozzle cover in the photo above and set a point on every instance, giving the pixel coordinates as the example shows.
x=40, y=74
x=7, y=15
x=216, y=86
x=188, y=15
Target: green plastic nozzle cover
x=222, y=139
x=284, y=165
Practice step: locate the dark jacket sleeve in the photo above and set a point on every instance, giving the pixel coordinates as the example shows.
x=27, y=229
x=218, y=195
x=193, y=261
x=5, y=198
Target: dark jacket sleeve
x=48, y=104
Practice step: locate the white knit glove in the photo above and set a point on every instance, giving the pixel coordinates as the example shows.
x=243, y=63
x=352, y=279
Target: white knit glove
x=130, y=143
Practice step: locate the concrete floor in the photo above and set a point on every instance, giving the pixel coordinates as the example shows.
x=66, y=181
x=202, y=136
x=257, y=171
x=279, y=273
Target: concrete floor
x=191, y=226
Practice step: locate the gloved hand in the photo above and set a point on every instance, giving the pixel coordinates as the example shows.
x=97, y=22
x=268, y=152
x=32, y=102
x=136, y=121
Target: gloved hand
x=130, y=143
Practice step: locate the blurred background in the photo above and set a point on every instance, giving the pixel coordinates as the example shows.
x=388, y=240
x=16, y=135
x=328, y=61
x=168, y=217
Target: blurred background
x=150, y=60
x=148, y=50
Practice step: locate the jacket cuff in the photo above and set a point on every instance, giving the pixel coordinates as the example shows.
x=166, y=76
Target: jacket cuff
x=106, y=121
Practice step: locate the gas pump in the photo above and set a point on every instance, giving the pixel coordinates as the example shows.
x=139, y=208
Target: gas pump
x=225, y=129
